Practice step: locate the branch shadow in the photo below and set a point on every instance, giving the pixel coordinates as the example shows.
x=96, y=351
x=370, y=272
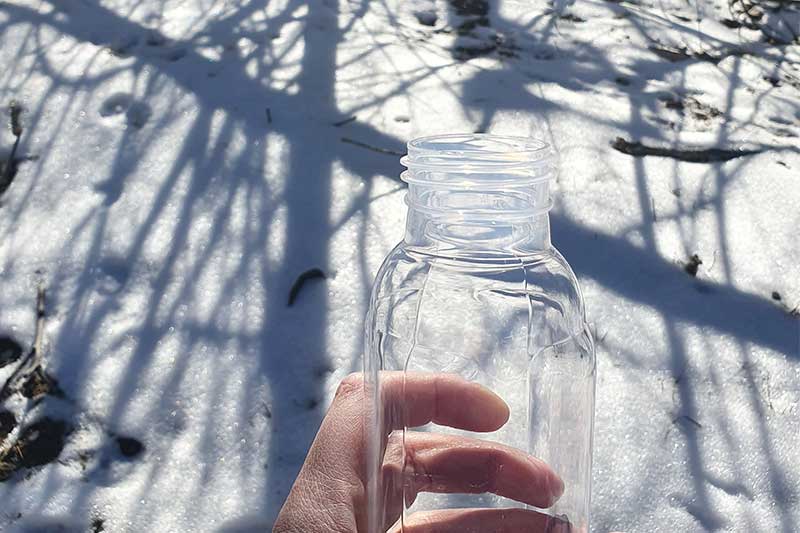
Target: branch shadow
x=214, y=220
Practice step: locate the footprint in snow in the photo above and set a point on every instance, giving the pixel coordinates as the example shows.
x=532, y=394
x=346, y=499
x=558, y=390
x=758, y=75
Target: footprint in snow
x=136, y=113
x=112, y=274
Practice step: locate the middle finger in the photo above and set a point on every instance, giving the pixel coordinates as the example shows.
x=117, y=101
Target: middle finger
x=432, y=462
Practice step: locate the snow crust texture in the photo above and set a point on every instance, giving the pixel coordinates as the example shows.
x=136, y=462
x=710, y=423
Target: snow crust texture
x=205, y=190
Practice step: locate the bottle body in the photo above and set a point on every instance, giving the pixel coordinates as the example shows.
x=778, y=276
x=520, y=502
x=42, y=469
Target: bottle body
x=482, y=294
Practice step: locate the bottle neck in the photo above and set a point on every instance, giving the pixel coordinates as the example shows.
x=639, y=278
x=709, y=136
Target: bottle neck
x=477, y=195
x=512, y=221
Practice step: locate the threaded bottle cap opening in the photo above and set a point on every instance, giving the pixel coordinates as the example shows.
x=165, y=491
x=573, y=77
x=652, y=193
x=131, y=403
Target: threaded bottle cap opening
x=476, y=159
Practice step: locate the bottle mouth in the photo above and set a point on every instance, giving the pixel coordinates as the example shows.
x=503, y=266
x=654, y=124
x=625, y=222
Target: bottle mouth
x=477, y=159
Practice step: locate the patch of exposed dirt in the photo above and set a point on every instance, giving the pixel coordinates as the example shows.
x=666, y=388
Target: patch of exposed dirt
x=10, y=351
x=39, y=443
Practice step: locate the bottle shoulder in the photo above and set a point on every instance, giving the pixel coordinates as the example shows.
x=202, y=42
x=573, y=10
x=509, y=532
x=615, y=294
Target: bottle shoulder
x=545, y=273
x=406, y=263
x=447, y=304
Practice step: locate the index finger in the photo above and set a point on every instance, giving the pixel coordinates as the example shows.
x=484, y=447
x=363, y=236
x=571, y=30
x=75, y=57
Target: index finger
x=413, y=399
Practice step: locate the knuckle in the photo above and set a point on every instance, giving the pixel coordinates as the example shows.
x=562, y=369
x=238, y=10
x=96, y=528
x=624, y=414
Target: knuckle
x=494, y=469
x=352, y=385
x=393, y=456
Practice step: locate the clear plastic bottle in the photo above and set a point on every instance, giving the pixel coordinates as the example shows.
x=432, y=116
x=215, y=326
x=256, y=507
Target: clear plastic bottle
x=477, y=289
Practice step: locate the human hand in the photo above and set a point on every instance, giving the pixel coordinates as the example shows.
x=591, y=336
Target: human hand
x=329, y=494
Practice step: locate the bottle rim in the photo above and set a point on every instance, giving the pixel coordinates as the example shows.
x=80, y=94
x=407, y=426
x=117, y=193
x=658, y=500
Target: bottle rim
x=476, y=156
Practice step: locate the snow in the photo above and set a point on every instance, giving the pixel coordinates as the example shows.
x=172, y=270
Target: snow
x=168, y=213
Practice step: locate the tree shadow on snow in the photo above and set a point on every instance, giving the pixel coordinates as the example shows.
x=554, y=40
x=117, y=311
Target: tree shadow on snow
x=267, y=361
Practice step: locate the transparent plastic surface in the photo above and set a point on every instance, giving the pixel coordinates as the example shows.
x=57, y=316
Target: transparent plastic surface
x=476, y=289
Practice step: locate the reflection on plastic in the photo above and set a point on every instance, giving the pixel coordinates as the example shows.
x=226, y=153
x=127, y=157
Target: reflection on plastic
x=476, y=289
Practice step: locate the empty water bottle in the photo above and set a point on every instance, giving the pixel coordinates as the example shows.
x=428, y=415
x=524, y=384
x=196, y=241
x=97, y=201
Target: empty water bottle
x=476, y=289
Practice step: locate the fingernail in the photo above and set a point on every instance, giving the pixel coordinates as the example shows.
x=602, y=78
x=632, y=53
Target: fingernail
x=558, y=487
x=558, y=524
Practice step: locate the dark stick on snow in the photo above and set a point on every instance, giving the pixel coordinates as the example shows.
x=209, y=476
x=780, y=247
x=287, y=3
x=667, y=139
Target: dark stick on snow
x=683, y=54
x=269, y=116
x=16, y=128
x=34, y=358
x=709, y=155
x=373, y=148
x=689, y=419
x=5, y=181
x=37, y=342
x=308, y=275
x=345, y=121
x=692, y=266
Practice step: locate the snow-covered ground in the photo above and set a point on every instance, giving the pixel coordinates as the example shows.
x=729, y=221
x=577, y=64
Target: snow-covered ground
x=182, y=162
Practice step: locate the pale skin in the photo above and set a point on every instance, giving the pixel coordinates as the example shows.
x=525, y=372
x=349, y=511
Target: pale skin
x=329, y=494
